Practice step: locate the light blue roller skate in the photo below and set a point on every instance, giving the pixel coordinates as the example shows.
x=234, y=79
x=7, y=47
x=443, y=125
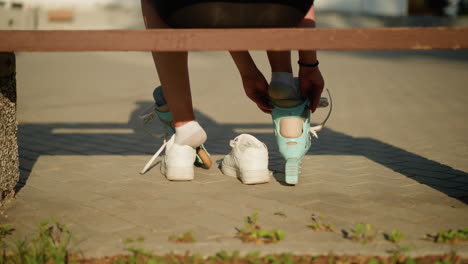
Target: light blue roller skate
x=294, y=149
x=161, y=111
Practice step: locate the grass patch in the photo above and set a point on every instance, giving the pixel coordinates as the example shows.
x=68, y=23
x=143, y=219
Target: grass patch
x=253, y=233
x=186, y=237
x=320, y=224
x=452, y=236
x=224, y=257
x=50, y=244
x=396, y=236
x=362, y=233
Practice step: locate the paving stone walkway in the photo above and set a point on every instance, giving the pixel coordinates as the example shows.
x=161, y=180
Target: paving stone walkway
x=394, y=154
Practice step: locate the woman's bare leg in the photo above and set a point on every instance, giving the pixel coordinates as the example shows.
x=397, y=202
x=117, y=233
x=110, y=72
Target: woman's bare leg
x=173, y=72
x=280, y=61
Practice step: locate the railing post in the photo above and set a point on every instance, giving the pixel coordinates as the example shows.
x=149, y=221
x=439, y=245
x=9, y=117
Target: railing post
x=9, y=163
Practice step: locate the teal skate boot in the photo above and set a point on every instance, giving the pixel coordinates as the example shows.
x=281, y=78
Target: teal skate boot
x=293, y=110
x=161, y=111
x=292, y=149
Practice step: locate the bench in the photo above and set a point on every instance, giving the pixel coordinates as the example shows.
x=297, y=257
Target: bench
x=190, y=40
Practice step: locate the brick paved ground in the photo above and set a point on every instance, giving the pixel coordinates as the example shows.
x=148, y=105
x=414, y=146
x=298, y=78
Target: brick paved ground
x=394, y=153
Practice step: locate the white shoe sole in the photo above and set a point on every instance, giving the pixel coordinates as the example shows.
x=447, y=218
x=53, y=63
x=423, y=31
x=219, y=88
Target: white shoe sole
x=178, y=173
x=247, y=176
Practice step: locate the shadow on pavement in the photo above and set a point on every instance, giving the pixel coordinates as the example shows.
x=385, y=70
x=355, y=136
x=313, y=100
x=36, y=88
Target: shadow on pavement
x=46, y=139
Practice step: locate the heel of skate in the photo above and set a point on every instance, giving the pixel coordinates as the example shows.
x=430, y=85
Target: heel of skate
x=292, y=170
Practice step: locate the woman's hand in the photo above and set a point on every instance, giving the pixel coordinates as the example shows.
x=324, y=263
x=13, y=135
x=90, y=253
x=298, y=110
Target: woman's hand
x=255, y=85
x=311, y=84
x=256, y=88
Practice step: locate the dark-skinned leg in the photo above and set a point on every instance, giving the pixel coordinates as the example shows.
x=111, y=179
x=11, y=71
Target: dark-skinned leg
x=173, y=72
x=280, y=61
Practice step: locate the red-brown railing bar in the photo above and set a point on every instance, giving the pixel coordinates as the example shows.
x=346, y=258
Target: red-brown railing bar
x=234, y=39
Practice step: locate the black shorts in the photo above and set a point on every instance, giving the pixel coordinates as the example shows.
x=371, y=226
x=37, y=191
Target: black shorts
x=232, y=13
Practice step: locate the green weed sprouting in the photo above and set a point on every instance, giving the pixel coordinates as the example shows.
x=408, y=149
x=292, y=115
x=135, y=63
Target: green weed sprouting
x=186, y=237
x=395, y=237
x=362, y=233
x=138, y=254
x=451, y=236
x=398, y=255
x=50, y=244
x=252, y=232
x=5, y=230
x=319, y=224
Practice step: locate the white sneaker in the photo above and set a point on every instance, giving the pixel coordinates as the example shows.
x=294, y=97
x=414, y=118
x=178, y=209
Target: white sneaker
x=177, y=164
x=248, y=160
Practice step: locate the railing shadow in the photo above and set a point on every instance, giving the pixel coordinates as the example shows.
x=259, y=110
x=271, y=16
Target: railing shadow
x=46, y=139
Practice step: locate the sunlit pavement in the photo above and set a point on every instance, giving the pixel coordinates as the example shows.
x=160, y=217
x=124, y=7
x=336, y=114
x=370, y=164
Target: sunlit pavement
x=394, y=154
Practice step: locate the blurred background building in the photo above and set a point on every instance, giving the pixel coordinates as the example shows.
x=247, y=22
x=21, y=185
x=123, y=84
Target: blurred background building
x=125, y=14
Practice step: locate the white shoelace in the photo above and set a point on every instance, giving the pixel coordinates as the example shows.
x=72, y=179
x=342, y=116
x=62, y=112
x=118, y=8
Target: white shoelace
x=155, y=156
x=145, y=118
x=233, y=142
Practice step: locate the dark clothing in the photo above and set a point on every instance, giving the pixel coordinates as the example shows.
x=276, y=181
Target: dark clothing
x=232, y=13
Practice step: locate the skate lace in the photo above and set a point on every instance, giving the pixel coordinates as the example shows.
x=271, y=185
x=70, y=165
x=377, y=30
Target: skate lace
x=155, y=156
x=145, y=118
x=313, y=130
x=234, y=141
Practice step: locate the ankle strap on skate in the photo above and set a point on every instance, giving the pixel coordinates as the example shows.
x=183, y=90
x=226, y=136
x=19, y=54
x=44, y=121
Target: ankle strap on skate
x=146, y=117
x=315, y=129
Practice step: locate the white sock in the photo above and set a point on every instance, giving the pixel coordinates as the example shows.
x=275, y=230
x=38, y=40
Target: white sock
x=286, y=78
x=191, y=134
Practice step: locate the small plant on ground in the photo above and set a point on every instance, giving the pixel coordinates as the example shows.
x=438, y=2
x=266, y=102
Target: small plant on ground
x=444, y=261
x=252, y=232
x=395, y=237
x=280, y=213
x=138, y=254
x=398, y=255
x=225, y=257
x=5, y=230
x=319, y=224
x=362, y=233
x=50, y=245
x=451, y=236
x=450, y=258
x=186, y=237
x=374, y=261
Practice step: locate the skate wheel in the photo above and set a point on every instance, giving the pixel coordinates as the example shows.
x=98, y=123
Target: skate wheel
x=292, y=171
x=206, y=162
